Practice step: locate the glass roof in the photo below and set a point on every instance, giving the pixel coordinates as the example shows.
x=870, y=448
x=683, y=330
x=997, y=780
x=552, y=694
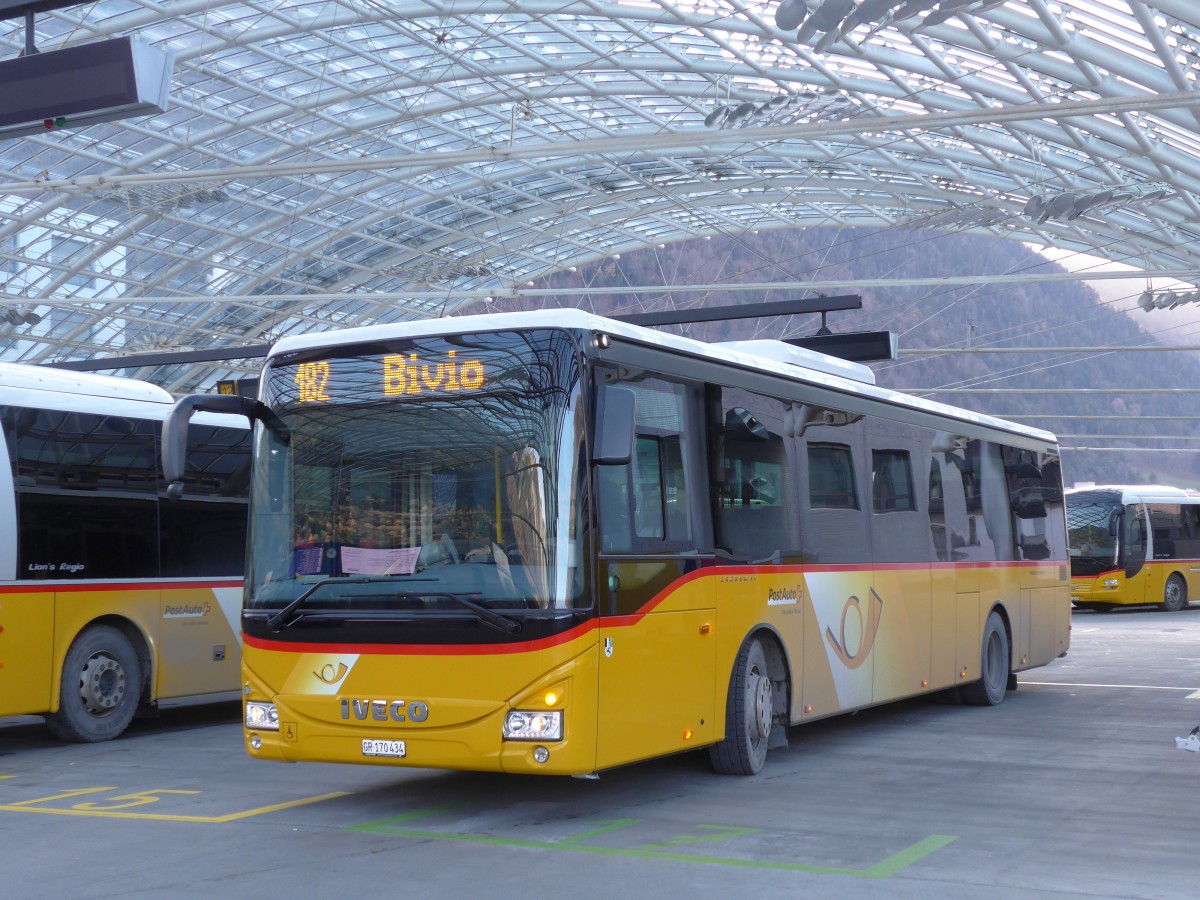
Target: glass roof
x=344, y=162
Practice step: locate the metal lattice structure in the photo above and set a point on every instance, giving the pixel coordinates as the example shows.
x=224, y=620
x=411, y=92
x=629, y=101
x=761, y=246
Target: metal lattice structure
x=344, y=162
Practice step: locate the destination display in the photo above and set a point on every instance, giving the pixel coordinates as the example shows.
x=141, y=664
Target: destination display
x=397, y=375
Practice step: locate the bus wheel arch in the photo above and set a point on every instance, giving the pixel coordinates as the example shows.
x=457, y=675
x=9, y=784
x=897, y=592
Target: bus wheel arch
x=995, y=662
x=104, y=680
x=1175, y=595
x=756, y=708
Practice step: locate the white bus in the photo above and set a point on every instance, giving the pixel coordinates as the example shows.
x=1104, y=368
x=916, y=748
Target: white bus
x=110, y=600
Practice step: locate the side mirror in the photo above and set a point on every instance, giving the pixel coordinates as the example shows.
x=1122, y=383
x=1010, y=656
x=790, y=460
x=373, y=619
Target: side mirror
x=740, y=425
x=1114, y=523
x=616, y=415
x=175, y=429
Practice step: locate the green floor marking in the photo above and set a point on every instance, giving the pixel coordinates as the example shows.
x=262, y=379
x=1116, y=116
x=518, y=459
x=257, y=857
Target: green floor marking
x=723, y=832
x=606, y=827
x=885, y=868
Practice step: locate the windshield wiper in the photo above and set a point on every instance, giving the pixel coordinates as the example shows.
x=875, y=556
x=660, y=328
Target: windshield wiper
x=285, y=615
x=493, y=618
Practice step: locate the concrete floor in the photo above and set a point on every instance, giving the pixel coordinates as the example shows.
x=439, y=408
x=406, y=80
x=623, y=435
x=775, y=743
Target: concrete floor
x=1072, y=787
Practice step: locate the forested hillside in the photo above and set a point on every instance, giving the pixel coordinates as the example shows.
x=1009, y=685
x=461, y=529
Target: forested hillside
x=1037, y=314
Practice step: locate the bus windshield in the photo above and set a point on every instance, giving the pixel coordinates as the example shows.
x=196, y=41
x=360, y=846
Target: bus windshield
x=427, y=477
x=1091, y=531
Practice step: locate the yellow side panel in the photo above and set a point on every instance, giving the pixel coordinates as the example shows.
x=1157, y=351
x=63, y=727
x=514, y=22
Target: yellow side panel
x=26, y=640
x=902, y=641
x=968, y=644
x=1048, y=609
x=839, y=635
x=657, y=686
x=944, y=651
x=1021, y=620
x=1144, y=587
x=198, y=641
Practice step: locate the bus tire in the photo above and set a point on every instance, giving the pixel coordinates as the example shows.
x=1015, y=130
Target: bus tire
x=748, y=715
x=993, y=666
x=101, y=687
x=1175, y=594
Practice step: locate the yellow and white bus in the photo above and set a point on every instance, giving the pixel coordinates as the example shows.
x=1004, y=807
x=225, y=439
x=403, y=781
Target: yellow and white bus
x=111, y=600
x=549, y=542
x=1133, y=545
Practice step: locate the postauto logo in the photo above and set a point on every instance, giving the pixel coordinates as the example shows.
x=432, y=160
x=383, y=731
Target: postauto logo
x=187, y=610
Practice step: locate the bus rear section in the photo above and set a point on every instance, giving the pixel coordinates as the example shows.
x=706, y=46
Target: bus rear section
x=1133, y=545
x=554, y=544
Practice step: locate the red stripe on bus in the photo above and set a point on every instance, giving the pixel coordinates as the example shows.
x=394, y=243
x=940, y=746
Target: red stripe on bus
x=423, y=649
x=63, y=587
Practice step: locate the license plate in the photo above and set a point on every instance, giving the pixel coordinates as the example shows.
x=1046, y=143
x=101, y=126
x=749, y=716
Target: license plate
x=373, y=747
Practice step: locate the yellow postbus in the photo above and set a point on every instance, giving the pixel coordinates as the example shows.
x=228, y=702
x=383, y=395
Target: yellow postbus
x=111, y=600
x=1133, y=545
x=550, y=542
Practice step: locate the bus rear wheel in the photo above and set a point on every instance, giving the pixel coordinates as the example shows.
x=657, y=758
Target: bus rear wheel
x=989, y=689
x=749, y=712
x=101, y=687
x=1175, y=594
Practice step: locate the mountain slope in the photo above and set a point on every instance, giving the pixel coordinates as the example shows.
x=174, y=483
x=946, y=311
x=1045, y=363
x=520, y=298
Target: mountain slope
x=980, y=317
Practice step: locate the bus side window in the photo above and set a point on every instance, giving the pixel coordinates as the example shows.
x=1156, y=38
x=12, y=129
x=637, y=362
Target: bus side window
x=1166, y=520
x=643, y=505
x=616, y=529
x=831, y=477
x=756, y=518
x=648, y=488
x=891, y=481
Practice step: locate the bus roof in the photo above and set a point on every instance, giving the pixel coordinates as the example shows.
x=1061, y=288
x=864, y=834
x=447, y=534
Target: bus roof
x=112, y=395
x=793, y=362
x=62, y=381
x=1137, y=493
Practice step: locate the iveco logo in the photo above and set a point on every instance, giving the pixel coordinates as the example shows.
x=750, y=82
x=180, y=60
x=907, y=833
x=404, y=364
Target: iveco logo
x=385, y=710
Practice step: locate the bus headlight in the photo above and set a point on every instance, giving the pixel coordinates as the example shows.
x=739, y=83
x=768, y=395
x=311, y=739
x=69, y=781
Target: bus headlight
x=262, y=716
x=1111, y=584
x=529, y=725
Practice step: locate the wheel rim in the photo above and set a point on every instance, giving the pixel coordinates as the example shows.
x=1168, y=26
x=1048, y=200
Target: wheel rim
x=1174, y=594
x=101, y=684
x=760, y=687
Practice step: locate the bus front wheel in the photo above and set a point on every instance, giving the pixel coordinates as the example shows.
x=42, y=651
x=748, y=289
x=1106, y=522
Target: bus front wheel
x=101, y=687
x=749, y=711
x=989, y=689
x=1174, y=594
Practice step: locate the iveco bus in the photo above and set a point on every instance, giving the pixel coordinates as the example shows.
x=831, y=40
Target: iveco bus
x=549, y=542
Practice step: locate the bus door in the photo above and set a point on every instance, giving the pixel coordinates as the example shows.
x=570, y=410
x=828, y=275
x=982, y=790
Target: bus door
x=1133, y=552
x=658, y=619
x=657, y=640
